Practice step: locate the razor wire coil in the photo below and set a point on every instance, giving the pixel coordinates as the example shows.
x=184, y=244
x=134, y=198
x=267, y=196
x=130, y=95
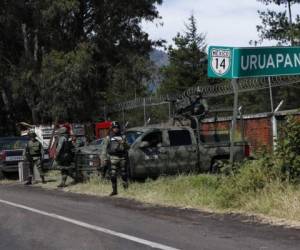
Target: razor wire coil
x=209, y=91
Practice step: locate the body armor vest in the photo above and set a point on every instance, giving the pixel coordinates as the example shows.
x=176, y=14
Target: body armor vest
x=34, y=148
x=115, y=146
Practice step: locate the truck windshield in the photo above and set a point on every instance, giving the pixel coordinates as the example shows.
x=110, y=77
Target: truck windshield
x=131, y=136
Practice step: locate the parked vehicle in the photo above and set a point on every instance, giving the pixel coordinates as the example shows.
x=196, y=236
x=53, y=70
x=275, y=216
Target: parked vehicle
x=172, y=150
x=11, y=153
x=182, y=147
x=87, y=157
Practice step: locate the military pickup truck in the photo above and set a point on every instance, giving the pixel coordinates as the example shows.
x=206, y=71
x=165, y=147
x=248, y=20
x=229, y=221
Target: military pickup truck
x=171, y=150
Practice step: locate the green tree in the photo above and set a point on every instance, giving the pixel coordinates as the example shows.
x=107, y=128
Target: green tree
x=11, y=47
x=284, y=28
x=186, y=67
x=132, y=73
x=64, y=58
x=279, y=25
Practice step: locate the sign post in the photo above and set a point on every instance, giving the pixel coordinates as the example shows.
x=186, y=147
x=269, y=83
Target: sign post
x=221, y=64
x=234, y=117
x=235, y=63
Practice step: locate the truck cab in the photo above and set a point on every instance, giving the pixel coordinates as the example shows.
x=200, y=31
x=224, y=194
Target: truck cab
x=162, y=150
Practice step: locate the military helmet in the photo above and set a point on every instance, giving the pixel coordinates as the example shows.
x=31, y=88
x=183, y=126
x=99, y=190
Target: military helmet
x=115, y=124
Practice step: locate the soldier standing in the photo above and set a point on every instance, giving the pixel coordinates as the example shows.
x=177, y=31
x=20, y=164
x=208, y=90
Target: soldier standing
x=64, y=156
x=114, y=153
x=34, y=153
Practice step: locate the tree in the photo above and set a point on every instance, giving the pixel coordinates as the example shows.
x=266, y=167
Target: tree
x=132, y=74
x=64, y=58
x=186, y=67
x=11, y=46
x=279, y=26
x=282, y=27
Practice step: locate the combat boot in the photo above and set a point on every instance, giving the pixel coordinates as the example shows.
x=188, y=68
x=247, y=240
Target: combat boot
x=125, y=185
x=63, y=182
x=29, y=181
x=114, y=187
x=43, y=179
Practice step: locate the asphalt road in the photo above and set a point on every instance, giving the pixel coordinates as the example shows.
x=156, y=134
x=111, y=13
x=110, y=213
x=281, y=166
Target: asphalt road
x=33, y=218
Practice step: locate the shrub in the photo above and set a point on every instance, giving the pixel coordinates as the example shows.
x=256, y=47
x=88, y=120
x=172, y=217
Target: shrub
x=249, y=177
x=288, y=150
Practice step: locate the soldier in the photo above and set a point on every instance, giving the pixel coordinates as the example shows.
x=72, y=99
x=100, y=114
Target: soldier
x=64, y=156
x=115, y=153
x=199, y=105
x=34, y=153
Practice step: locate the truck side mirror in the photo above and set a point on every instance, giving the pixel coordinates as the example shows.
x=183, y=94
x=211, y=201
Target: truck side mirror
x=144, y=144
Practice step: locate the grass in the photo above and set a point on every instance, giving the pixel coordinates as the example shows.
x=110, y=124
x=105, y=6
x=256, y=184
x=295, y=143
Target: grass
x=253, y=189
x=204, y=192
x=276, y=200
x=6, y=181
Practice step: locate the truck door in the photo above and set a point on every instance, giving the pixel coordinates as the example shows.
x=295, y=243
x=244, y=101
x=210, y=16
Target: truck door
x=150, y=156
x=183, y=153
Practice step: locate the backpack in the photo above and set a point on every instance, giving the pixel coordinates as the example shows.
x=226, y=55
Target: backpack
x=66, y=154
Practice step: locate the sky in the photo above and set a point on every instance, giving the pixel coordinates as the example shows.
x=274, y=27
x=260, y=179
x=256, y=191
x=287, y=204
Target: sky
x=225, y=22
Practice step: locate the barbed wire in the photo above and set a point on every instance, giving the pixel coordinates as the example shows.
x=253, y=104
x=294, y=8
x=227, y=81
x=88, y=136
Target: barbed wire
x=209, y=91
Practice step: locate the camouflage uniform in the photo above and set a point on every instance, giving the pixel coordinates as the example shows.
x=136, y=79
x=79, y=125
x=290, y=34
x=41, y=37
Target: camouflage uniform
x=114, y=152
x=200, y=106
x=34, y=154
x=63, y=161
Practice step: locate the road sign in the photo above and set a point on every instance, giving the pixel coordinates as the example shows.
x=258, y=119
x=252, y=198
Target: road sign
x=228, y=62
x=220, y=62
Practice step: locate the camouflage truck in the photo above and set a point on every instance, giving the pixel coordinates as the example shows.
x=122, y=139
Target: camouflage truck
x=181, y=147
x=175, y=147
x=171, y=150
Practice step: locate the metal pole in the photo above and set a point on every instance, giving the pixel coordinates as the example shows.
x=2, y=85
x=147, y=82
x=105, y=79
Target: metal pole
x=234, y=118
x=145, y=121
x=123, y=114
x=169, y=105
x=274, y=126
x=242, y=123
x=273, y=118
x=274, y=131
x=291, y=22
x=271, y=95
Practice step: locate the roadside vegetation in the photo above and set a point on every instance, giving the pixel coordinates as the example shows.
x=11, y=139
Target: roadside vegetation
x=267, y=186
x=249, y=191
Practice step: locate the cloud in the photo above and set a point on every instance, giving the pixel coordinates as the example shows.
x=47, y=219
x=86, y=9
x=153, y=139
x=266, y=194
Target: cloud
x=226, y=22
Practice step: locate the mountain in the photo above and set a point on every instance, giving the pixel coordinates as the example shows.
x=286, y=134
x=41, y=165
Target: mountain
x=159, y=57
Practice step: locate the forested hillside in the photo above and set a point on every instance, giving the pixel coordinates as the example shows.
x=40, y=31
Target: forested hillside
x=63, y=60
